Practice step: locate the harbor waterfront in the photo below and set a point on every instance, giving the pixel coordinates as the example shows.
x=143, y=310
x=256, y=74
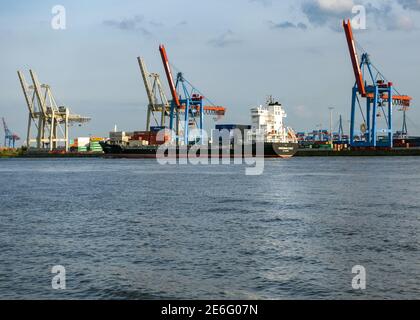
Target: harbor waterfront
x=396, y=152
x=124, y=229
x=202, y=159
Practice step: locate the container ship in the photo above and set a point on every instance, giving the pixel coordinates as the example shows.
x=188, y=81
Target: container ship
x=267, y=129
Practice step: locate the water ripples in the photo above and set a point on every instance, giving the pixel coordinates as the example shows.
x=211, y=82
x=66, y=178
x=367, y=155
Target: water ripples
x=137, y=230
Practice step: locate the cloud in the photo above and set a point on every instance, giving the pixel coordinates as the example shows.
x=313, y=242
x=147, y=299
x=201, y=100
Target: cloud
x=129, y=24
x=323, y=12
x=125, y=24
x=287, y=25
x=400, y=22
x=156, y=23
x=224, y=40
x=410, y=4
x=265, y=3
x=383, y=14
x=405, y=23
x=386, y=17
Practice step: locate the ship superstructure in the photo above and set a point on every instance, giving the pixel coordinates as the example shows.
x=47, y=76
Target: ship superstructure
x=268, y=123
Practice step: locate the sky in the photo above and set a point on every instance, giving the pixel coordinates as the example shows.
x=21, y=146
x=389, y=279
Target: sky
x=236, y=52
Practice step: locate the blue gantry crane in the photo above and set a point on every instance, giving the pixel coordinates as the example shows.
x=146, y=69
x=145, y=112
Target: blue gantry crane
x=194, y=107
x=379, y=99
x=10, y=138
x=188, y=101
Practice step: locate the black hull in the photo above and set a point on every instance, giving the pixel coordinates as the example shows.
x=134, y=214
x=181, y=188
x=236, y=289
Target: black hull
x=271, y=150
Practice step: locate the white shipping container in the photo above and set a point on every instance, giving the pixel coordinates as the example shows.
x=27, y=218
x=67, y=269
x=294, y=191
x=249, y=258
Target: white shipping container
x=83, y=142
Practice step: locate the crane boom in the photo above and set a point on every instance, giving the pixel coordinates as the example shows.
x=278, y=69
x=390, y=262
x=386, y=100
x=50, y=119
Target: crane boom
x=37, y=88
x=145, y=75
x=6, y=129
x=354, y=58
x=24, y=86
x=169, y=75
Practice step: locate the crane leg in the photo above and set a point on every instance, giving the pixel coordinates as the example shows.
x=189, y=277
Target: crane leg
x=149, y=111
x=353, y=117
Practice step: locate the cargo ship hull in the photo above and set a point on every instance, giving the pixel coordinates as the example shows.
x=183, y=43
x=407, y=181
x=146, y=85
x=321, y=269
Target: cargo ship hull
x=271, y=150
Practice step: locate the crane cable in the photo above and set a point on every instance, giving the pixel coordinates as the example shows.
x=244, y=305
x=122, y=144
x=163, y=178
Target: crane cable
x=193, y=87
x=359, y=46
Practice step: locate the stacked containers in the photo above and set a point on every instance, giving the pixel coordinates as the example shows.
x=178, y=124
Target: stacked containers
x=94, y=146
x=82, y=144
x=150, y=137
x=327, y=146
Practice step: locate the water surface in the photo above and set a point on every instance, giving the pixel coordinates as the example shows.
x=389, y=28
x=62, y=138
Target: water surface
x=133, y=229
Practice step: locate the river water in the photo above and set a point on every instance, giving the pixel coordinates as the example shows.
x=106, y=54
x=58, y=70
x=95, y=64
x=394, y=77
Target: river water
x=134, y=229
